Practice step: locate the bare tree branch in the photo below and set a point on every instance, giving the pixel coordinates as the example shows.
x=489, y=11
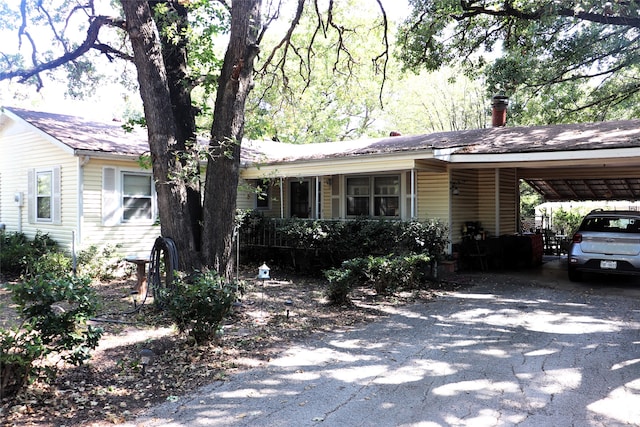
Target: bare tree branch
x=385, y=54
x=286, y=40
x=88, y=44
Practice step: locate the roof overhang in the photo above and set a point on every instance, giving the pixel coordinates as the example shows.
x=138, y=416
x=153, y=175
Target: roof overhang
x=106, y=155
x=372, y=163
x=619, y=156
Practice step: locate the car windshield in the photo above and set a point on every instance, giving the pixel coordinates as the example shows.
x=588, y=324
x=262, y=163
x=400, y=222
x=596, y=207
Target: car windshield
x=611, y=224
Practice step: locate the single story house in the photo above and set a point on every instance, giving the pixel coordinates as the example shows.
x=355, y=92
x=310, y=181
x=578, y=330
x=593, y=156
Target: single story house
x=80, y=181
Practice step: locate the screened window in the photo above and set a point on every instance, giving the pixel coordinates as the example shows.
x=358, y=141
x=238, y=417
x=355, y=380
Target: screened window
x=386, y=196
x=358, y=196
x=136, y=197
x=373, y=196
x=44, y=195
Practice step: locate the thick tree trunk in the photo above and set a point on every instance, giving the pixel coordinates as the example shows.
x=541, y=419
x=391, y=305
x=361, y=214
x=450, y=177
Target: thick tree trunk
x=174, y=52
x=226, y=135
x=175, y=218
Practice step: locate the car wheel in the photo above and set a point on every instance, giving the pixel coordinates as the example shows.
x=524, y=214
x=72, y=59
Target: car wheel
x=574, y=275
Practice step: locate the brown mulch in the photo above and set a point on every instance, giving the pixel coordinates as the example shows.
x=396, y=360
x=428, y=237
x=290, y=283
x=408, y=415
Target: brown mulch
x=113, y=388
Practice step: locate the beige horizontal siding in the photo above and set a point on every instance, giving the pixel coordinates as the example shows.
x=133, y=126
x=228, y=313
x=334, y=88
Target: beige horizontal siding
x=432, y=195
x=22, y=149
x=486, y=194
x=464, y=206
x=128, y=238
x=509, y=202
x=246, y=198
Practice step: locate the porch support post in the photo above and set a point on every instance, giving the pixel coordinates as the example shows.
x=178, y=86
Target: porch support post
x=281, y=198
x=497, y=205
x=316, y=207
x=413, y=193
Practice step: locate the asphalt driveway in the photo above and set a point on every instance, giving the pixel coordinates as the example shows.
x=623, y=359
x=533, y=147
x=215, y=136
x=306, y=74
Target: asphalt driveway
x=536, y=351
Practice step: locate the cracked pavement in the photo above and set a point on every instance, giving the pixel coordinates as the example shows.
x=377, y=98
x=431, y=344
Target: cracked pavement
x=537, y=351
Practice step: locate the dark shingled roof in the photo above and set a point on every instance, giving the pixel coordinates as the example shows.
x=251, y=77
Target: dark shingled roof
x=499, y=140
x=81, y=134
x=110, y=138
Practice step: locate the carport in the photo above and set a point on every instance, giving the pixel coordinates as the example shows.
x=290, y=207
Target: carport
x=575, y=162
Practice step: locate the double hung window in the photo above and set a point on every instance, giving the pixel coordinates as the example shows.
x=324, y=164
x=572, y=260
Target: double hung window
x=128, y=197
x=377, y=196
x=137, y=202
x=44, y=195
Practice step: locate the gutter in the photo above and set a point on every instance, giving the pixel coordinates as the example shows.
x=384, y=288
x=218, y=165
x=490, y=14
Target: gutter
x=597, y=155
x=105, y=155
x=421, y=154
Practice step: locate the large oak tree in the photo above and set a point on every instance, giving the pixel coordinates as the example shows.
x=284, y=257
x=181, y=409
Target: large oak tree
x=158, y=40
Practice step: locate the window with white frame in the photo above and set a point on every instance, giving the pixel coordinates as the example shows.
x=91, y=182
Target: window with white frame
x=128, y=197
x=137, y=202
x=386, y=196
x=358, y=196
x=44, y=195
x=377, y=196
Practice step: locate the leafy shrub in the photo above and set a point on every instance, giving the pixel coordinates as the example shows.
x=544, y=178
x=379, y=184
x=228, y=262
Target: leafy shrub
x=18, y=351
x=342, y=280
x=337, y=241
x=18, y=251
x=385, y=274
x=198, y=303
x=568, y=221
x=54, y=313
x=50, y=264
x=102, y=264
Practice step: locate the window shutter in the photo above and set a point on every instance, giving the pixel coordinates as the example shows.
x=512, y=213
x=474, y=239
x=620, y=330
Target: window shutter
x=56, y=211
x=31, y=196
x=110, y=202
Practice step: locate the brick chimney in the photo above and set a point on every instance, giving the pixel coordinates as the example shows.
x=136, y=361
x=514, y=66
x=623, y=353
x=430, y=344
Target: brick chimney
x=499, y=110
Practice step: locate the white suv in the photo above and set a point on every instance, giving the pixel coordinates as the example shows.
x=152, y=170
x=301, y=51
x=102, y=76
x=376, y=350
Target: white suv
x=607, y=242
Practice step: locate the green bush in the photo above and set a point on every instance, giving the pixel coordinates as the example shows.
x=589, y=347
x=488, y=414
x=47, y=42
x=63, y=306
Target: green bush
x=568, y=221
x=54, y=313
x=342, y=280
x=19, y=252
x=50, y=264
x=197, y=304
x=18, y=350
x=103, y=264
x=333, y=242
x=385, y=274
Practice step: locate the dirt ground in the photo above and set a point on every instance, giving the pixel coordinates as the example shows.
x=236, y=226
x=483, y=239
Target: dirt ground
x=113, y=387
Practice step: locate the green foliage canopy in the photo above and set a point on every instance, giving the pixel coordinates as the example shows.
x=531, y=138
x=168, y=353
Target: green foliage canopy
x=559, y=61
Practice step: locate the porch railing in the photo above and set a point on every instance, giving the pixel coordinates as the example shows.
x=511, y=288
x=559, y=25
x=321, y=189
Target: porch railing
x=269, y=232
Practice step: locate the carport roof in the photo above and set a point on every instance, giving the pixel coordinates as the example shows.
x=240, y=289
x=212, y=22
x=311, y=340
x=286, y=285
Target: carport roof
x=587, y=189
